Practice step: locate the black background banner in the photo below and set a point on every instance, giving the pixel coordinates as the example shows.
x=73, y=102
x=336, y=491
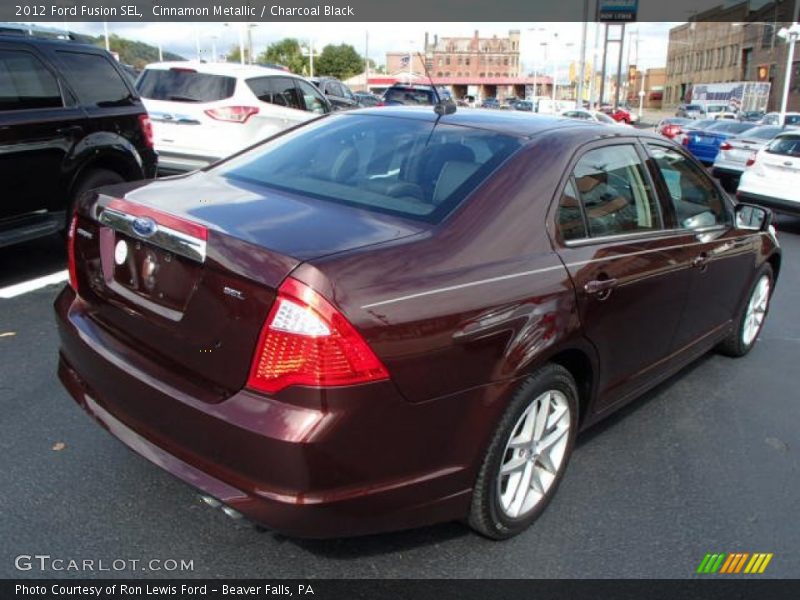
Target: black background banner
x=350, y=10
x=712, y=588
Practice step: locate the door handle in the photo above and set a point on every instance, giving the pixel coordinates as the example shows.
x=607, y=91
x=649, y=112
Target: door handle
x=70, y=130
x=600, y=287
x=700, y=261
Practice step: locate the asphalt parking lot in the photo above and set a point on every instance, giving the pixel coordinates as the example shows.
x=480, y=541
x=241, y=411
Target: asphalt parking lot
x=707, y=462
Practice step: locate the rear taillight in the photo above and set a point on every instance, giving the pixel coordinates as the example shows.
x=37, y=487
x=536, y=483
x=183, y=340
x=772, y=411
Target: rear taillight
x=725, y=146
x=146, y=125
x=750, y=161
x=307, y=341
x=685, y=140
x=73, y=273
x=232, y=114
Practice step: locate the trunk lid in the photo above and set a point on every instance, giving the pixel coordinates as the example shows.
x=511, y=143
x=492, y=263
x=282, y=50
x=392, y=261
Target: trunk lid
x=186, y=270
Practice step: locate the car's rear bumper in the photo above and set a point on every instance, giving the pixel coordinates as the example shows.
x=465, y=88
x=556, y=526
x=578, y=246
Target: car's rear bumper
x=344, y=462
x=777, y=204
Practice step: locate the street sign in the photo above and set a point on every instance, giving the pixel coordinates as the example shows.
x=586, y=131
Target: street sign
x=616, y=11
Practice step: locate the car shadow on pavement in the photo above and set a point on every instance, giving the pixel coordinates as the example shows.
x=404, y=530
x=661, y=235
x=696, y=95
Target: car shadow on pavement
x=32, y=259
x=381, y=543
x=787, y=224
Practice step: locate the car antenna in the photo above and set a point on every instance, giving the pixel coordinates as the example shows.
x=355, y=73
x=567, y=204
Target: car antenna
x=440, y=108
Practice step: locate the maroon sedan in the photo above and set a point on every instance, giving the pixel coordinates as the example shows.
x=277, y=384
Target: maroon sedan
x=384, y=319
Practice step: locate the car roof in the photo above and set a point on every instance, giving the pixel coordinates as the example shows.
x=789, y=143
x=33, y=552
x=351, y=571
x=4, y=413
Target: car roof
x=229, y=69
x=55, y=42
x=505, y=122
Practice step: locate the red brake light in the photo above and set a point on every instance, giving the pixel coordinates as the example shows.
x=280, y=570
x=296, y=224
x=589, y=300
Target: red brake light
x=725, y=146
x=73, y=273
x=750, y=161
x=307, y=341
x=146, y=125
x=685, y=140
x=233, y=114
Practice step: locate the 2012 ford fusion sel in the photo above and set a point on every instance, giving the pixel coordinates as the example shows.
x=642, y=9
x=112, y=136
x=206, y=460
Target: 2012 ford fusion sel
x=388, y=318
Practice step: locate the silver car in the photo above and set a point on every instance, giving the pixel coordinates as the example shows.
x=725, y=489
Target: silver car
x=734, y=153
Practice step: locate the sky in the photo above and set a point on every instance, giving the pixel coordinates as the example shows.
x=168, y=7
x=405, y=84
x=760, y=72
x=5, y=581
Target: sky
x=180, y=38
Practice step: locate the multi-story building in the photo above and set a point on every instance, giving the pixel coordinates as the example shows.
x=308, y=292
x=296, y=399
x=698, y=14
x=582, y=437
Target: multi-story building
x=651, y=82
x=475, y=66
x=732, y=43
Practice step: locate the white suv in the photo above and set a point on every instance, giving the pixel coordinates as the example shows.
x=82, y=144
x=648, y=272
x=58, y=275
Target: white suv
x=202, y=112
x=772, y=176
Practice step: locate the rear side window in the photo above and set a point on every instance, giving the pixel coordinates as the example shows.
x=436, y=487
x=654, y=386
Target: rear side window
x=697, y=202
x=312, y=99
x=280, y=91
x=415, y=169
x=614, y=195
x=570, y=215
x=184, y=85
x=25, y=83
x=95, y=79
x=785, y=146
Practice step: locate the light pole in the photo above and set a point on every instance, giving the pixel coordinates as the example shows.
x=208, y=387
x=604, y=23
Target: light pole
x=105, y=33
x=535, y=78
x=790, y=34
x=309, y=52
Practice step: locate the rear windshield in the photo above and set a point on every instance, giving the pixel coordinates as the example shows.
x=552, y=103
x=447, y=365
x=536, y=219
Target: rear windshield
x=693, y=107
x=728, y=127
x=184, y=85
x=785, y=145
x=409, y=96
x=411, y=168
x=703, y=124
x=761, y=133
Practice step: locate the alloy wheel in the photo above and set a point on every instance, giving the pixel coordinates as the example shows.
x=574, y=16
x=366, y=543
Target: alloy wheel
x=756, y=311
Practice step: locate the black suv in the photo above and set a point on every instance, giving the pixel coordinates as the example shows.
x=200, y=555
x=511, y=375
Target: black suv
x=70, y=121
x=338, y=94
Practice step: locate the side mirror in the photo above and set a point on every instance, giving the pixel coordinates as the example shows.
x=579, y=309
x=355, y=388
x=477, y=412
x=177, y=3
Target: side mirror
x=750, y=216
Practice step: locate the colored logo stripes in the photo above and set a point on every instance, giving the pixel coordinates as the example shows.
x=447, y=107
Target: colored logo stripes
x=737, y=562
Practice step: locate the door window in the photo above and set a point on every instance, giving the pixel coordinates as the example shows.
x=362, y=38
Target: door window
x=313, y=100
x=614, y=194
x=95, y=79
x=698, y=203
x=25, y=83
x=570, y=215
x=276, y=90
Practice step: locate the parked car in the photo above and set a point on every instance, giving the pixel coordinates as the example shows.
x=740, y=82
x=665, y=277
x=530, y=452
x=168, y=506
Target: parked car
x=490, y=103
x=751, y=115
x=202, y=112
x=726, y=116
x=774, y=118
x=523, y=105
x=413, y=94
x=693, y=125
x=772, y=176
x=691, y=111
x=367, y=99
x=736, y=151
x=623, y=115
x=70, y=120
x=354, y=334
x=671, y=126
x=705, y=143
x=338, y=94
x=591, y=115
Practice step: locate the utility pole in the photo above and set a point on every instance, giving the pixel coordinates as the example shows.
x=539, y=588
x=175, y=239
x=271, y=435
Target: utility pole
x=790, y=34
x=582, y=67
x=105, y=32
x=593, y=75
x=605, y=56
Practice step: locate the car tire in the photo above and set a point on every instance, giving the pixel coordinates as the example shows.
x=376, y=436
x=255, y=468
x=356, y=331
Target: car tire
x=91, y=179
x=496, y=495
x=751, y=317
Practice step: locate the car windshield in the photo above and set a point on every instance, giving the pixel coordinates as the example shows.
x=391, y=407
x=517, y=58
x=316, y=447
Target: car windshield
x=786, y=145
x=729, y=127
x=412, y=168
x=184, y=85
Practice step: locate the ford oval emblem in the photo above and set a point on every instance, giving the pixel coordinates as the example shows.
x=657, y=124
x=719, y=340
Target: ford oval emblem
x=144, y=226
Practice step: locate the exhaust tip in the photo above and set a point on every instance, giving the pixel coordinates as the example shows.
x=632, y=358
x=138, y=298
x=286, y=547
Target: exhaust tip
x=233, y=514
x=212, y=502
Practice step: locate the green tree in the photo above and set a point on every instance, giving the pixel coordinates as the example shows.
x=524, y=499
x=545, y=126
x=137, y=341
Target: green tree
x=286, y=52
x=234, y=55
x=340, y=61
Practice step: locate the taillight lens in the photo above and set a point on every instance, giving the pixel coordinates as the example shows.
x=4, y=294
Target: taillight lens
x=307, y=341
x=73, y=273
x=750, y=161
x=685, y=140
x=232, y=114
x=146, y=125
x=725, y=146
